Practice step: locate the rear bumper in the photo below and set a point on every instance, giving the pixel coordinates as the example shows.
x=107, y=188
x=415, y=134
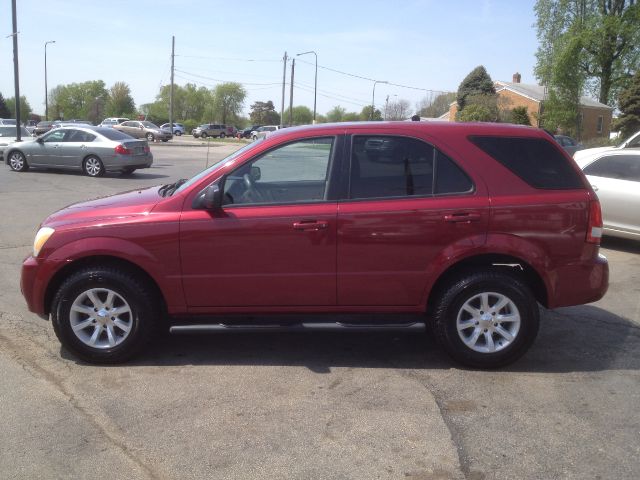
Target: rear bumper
x=580, y=283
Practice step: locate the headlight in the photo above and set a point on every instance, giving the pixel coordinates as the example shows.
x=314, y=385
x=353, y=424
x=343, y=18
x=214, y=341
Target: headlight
x=41, y=238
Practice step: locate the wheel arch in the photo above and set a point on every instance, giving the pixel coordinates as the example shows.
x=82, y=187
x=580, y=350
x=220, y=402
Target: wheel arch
x=103, y=261
x=10, y=151
x=496, y=262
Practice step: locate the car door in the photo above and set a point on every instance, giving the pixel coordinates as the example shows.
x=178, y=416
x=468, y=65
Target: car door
x=616, y=180
x=75, y=147
x=407, y=205
x=273, y=243
x=46, y=150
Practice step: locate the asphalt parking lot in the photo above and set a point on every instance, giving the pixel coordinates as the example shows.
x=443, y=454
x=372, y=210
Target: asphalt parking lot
x=309, y=406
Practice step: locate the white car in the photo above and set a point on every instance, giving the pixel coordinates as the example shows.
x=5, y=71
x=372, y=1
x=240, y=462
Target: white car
x=8, y=135
x=178, y=128
x=632, y=142
x=615, y=176
x=263, y=132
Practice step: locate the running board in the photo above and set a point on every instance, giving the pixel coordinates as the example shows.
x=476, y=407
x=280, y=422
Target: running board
x=305, y=327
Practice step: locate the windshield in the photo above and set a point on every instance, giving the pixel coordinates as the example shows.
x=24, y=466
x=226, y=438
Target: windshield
x=215, y=166
x=632, y=142
x=150, y=125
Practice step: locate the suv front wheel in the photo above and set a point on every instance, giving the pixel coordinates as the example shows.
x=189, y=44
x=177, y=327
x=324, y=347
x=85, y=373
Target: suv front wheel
x=103, y=315
x=486, y=319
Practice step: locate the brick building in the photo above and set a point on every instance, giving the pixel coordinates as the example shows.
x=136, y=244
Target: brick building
x=596, y=117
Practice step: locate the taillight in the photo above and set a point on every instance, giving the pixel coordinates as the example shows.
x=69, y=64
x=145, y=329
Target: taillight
x=147, y=149
x=122, y=150
x=594, y=227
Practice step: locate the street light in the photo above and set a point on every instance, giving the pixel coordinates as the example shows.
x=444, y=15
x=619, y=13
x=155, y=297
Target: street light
x=46, y=91
x=315, y=88
x=373, y=97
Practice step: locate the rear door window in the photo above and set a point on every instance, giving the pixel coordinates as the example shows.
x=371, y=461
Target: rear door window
x=535, y=160
x=388, y=166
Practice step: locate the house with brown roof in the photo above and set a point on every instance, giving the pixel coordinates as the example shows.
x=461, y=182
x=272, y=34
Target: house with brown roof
x=595, y=117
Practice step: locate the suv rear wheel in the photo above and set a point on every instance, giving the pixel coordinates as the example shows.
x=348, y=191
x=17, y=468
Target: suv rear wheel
x=486, y=319
x=222, y=135
x=102, y=314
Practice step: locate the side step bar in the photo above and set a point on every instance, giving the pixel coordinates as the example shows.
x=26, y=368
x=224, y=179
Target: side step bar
x=309, y=326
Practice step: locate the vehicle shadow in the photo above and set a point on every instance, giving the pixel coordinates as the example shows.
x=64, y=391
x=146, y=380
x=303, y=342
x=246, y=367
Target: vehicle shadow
x=575, y=339
x=621, y=244
x=135, y=175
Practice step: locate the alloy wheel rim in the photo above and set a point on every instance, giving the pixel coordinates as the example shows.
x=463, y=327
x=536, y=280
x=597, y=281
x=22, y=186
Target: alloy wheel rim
x=93, y=166
x=488, y=322
x=16, y=161
x=101, y=318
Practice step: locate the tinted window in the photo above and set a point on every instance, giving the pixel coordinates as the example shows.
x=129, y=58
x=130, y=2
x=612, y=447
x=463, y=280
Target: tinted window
x=79, y=136
x=384, y=166
x=535, y=160
x=112, y=134
x=293, y=173
x=54, y=136
x=622, y=167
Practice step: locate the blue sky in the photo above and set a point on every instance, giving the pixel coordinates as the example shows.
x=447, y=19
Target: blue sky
x=425, y=44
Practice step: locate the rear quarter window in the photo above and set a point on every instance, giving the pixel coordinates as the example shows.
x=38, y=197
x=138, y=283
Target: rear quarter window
x=535, y=160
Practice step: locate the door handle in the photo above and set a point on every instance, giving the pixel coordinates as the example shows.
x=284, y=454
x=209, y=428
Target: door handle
x=310, y=225
x=462, y=217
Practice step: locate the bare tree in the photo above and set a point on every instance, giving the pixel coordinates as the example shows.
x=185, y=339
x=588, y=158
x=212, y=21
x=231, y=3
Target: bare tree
x=398, y=109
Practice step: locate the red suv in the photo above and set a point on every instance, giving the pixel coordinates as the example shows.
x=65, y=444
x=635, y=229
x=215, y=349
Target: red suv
x=466, y=228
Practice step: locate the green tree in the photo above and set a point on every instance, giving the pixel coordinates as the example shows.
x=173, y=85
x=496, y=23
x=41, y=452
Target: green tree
x=433, y=107
x=228, y=101
x=79, y=100
x=25, y=108
x=629, y=104
x=336, y=114
x=4, y=110
x=264, y=113
x=476, y=113
x=365, y=114
x=608, y=33
x=351, y=117
x=120, y=103
x=520, y=116
x=301, y=115
x=477, y=83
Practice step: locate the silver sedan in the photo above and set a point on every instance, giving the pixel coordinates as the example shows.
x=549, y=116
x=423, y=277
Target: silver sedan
x=615, y=176
x=93, y=150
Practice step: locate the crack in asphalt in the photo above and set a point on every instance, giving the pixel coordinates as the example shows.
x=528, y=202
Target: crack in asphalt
x=39, y=371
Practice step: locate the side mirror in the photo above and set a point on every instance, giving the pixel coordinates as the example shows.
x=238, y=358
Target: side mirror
x=141, y=127
x=255, y=173
x=210, y=198
x=39, y=140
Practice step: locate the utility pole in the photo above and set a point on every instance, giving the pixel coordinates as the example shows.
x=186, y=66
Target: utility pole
x=284, y=79
x=16, y=76
x=293, y=69
x=173, y=51
x=46, y=88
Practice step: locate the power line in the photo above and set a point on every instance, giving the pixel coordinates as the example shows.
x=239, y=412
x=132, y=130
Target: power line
x=220, y=80
x=231, y=59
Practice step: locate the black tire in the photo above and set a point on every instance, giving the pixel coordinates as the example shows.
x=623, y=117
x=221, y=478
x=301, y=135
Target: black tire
x=222, y=135
x=100, y=281
x=496, y=349
x=92, y=166
x=128, y=171
x=18, y=162
x=203, y=134
x=150, y=137
x=165, y=139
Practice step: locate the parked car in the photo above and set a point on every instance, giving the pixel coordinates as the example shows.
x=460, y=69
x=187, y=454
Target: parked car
x=630, y=143
x=246, y=132
x=568, y=144
x=93, y=150
x=43, y=127
x=70, y=123
x=8, y=135
x=321, y=220
x=210, y=130
x=231, y=131
x=143, y=129
x=8, y=122
x=615, y=176
x=178, y=128
x=111, y=121
x=262, y=132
